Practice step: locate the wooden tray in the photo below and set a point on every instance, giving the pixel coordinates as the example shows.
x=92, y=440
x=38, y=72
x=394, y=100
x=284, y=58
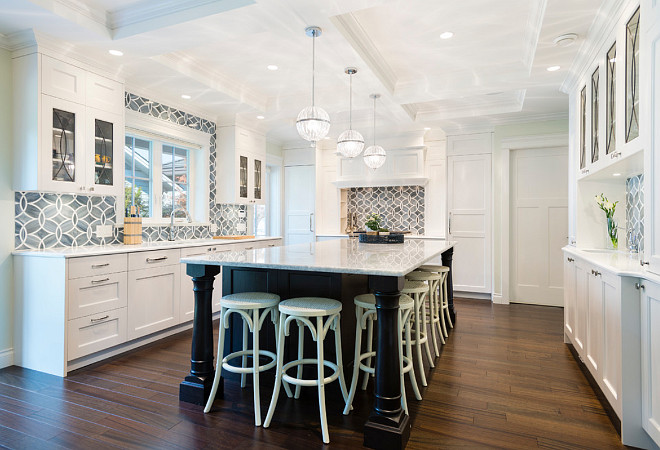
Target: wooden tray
x=234, y=237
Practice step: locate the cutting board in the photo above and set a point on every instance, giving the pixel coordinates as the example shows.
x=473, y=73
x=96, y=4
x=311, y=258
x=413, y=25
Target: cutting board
x=234, y=237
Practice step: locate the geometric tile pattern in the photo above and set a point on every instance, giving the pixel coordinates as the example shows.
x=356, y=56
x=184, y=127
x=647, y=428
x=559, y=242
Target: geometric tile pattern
x=635, y=207
x=45, y=220
x=400, y=207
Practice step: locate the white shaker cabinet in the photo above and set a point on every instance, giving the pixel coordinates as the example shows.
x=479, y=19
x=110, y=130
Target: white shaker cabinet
x=650, y=316
x=569, y=296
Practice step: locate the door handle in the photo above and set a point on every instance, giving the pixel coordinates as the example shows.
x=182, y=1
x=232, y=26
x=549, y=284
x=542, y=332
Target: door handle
x=98, y=266
x=310, y=222
x=161, y=258
x=449, y=223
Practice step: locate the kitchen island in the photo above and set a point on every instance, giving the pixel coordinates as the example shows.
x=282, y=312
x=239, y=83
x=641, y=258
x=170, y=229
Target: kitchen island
x=314, y=270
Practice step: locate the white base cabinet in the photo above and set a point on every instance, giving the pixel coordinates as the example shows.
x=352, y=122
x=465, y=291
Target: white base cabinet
x=650, y=316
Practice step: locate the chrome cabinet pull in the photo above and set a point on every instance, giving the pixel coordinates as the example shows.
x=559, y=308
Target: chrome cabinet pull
x=100, y=318
x=100, y=281
x=98, y=266
x=248, y=248
x=449, y=223
x=639, y=286
x=643, y=263
x=160, y=258
x=310, y=222
x=597, y=273
x=572, y=260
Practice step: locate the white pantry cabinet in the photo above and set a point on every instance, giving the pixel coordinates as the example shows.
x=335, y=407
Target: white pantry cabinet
x=240, y=166
x=68, y=128
x=650, y=315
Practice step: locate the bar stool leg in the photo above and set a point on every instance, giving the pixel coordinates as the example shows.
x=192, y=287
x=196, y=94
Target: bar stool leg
x=255, y=367
x=278, y=372
x=409, y=354
x=301, y=352
x=245, y=347
x=320, y=381
x=427, y=348
x=446, y=300
x=418, y=344
x=367, y=362
x=356, y=360
x=340, y=359
x=218, y=363
x=438, y=321
x=432, y=315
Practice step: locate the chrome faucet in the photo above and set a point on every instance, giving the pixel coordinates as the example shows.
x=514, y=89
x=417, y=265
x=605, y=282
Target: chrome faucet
x=170, y=236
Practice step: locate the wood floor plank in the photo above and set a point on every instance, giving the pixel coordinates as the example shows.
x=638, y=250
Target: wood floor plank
x=505, y=379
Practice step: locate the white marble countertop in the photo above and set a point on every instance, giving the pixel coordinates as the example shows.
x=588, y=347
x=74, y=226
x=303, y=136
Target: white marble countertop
x=407, y=236
x=339, y=255
x=617, y=262
x=93, y=250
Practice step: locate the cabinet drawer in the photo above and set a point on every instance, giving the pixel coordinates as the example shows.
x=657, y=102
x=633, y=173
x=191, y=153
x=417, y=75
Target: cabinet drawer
x=94, y=333
x=96, y=265
x=97, y=294
x=62, y=80
x=154, y=258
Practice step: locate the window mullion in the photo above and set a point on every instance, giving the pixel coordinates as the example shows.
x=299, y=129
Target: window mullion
x=157, y=180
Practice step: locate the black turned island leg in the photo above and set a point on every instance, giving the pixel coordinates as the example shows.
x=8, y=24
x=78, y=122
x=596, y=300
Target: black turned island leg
x=388, y=426
x=196, y=387
x=446, y=261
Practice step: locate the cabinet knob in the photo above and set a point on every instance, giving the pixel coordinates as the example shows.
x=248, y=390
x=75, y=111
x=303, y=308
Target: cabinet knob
x=639, y=286
x=571, y=260
x=643, y=263
x=91, y=189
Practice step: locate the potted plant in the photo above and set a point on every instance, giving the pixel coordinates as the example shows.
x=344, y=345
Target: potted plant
x=373, y=225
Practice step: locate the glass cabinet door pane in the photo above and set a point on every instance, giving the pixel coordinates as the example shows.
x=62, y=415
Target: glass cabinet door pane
x=64, y=145
x=257, y=179
x=632, y=77
x=583, y=125
x=243, y=174
x=595, y=78
x=103, y=163
x=610, y=144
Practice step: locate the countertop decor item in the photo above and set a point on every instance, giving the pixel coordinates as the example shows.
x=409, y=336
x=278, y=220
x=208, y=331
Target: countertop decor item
x=313, y=122
x=608, y=207
x=374, y=156
x=350, y=143
x=386, y=238
x=373, y=224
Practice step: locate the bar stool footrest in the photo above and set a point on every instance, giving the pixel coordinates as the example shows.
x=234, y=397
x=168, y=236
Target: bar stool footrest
x=301, y=382
x=234, y=369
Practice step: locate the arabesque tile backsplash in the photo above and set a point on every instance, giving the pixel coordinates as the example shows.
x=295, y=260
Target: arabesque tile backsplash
x=400, y=207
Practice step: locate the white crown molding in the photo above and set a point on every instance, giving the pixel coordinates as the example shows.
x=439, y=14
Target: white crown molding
x=532, y=32
x=357, y=37
x=600, y=33
x=80, y=12
x=5, y=43
x=200, y=72
x=149, y=15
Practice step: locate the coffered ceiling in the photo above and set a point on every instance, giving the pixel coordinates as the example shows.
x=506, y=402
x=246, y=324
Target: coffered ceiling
x=492, y=71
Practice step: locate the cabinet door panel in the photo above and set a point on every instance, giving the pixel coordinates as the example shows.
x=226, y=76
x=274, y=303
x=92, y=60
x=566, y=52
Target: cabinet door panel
x=104, y=94
x=62, y=80
x=569, y=296
x=650, y=315
x=611, y=362
x=594, y=344
x=105, y=158
x=581, y=306
x=153, y=299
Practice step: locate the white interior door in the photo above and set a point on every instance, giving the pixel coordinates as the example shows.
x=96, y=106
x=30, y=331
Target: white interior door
x=469, y=204
x=539, y=225
x=299, y=191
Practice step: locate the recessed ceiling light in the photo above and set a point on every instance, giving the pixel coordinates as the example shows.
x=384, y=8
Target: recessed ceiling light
x=616, y=174
x=260, y=117
x=446, y=35
x=427, y=128
x=116, y=52
x=186, y=96
x=553, y=68
x=565, y=40
x=272, y=67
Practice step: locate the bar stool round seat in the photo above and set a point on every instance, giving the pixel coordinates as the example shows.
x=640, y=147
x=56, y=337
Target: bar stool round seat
x=418, y=290
x=365, y=311
x=253, y=308
x=327, y=316
x=433, y=280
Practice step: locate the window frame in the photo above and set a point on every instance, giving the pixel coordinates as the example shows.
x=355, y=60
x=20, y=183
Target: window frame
x=161, y=132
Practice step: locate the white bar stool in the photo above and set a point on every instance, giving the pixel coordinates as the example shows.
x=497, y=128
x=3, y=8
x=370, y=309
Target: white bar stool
x=418, y=290
x=301, y=310
x=432, y=280
x=365, y=311
x=253, y=307
x=443, y=299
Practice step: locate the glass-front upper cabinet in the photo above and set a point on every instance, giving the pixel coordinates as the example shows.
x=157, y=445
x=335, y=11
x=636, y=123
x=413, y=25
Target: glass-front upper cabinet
x=257, y=179
x=64, y=145
x=104, y=150
x=243, y=177
x=610, y=101
x=583, y=131
x=632, y=77
x=595, y=80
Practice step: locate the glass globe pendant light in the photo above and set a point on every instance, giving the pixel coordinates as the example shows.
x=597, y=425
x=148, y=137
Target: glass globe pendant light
x=374, y=156
x=350, y=143
x=313, y=122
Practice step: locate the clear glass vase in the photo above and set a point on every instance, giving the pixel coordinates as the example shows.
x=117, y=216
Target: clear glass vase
x=612, y=233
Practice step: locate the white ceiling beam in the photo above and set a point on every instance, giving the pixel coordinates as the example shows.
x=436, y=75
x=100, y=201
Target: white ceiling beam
x=532, y=32
x=151, y=15
x=79, y=12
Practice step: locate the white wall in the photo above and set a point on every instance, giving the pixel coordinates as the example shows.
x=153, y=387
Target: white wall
x=7, y=206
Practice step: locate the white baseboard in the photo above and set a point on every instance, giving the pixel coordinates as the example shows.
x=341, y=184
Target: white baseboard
x=500, y=300
x=6, y=358
x=476, y=295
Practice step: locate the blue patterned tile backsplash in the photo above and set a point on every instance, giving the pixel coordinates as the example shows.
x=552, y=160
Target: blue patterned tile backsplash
x=400, y=207
x=635, y=208
x=47, y=220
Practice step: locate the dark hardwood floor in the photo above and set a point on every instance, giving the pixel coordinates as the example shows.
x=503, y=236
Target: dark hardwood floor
x=504, y=380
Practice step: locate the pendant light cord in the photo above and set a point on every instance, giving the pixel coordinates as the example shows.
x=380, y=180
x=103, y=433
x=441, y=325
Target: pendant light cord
x=374, y=121
x=313, y=65
x=350, y=102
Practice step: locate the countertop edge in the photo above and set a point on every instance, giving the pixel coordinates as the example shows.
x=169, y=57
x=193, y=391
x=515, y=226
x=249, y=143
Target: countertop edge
x=67, y=252
x=593, y=258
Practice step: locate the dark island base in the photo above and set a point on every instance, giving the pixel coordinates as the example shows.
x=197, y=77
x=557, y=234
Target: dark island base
x=388, y=426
